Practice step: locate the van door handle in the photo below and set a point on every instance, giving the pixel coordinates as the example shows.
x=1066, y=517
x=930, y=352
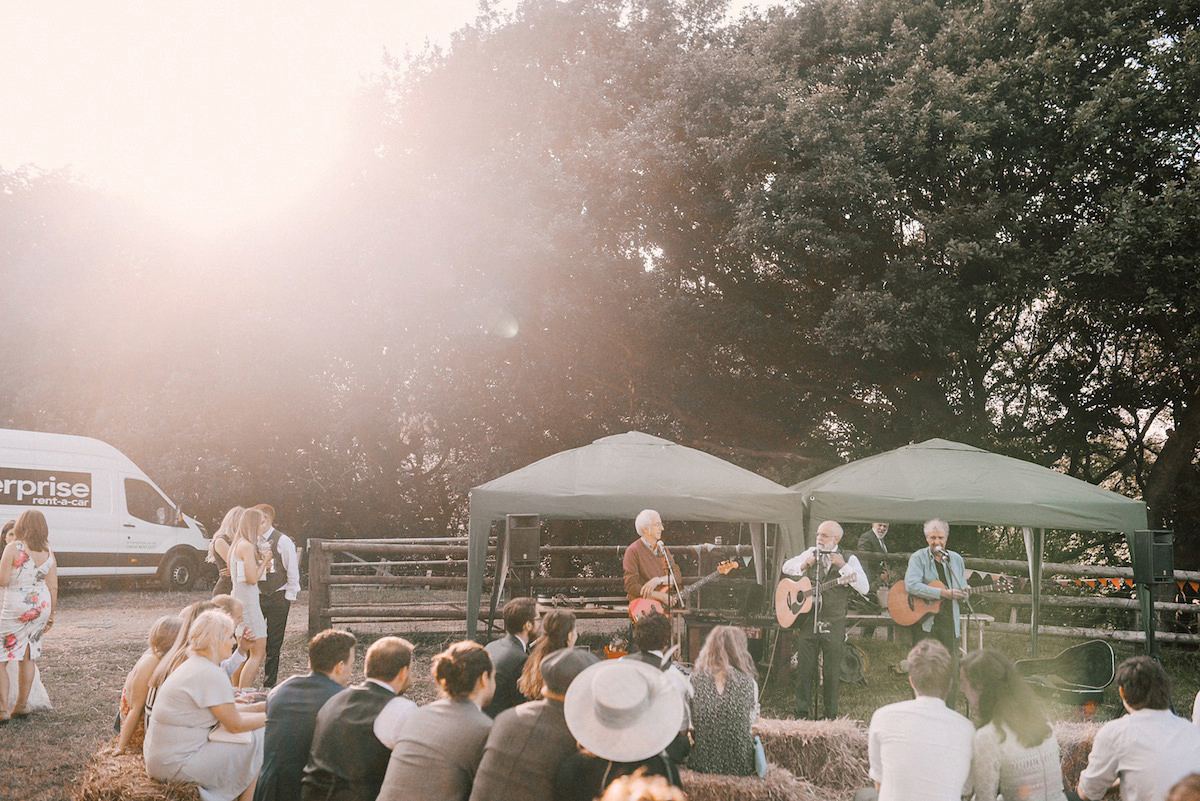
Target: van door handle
x=130, y=525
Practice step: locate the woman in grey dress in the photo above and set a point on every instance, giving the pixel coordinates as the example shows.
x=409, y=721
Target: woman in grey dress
x=441, y=744
x=247, y=565
x=183, y=741
x=724, y=704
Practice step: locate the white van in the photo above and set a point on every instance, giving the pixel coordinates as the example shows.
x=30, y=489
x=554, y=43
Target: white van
x=106, y=517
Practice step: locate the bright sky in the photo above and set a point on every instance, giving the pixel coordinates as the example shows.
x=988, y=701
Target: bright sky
x=211, y=112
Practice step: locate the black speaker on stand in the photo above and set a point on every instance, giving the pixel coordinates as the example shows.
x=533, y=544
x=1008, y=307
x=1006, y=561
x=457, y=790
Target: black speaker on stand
x=517, y=552
x=1153, y=564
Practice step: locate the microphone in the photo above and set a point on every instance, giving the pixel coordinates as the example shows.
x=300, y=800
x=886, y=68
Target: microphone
x=937, y=549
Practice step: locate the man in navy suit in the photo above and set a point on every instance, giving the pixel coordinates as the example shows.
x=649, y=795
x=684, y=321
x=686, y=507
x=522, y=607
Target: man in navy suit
x=292, y=714
x=509, y=653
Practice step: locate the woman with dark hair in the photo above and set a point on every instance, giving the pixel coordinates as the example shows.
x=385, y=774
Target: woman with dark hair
x=1015, y=752
x=724, y=704
x=29, y=575
x=441, y=744
x=558, y=632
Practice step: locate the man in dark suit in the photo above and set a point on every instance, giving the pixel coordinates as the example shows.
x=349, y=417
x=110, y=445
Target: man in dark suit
x=357, y=728
x=292, y=714
x=509, y=653
x=277, y=589
x=872, y=541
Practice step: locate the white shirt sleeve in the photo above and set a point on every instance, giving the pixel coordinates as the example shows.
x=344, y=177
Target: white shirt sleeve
x=796, y=565
x=287, y=555
x=860, y=582
x=390, y=721
x=1196, y=710
x=234, y=661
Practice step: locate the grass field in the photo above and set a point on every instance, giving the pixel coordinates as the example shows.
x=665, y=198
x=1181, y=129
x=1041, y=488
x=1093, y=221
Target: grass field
x=100, y=633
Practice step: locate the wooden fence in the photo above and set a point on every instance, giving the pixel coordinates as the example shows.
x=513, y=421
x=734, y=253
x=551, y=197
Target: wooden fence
x=442, y=564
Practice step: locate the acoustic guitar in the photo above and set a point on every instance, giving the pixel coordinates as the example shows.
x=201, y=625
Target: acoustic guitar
x=642, y=606
x=908, y=610
x=795, y=598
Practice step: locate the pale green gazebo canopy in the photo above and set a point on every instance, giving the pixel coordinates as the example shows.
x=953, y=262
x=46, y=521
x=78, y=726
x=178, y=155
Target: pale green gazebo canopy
x=618, y=476
x=964, y=485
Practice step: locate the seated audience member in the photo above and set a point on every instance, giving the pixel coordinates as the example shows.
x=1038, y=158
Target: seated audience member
x=1186, y=789
x=508, y=654
x=441, y=744
x=1015, y=751
x=652, y=635
x=357, y=728
x=177, y=653
x=131, y=722
x=558, y=631
x=642, y=788
x=724, y=704
x=529, y=741
x=1150, y=748
x=292, y=714
x=623, y=713
x=920, y=750
x=181, y=744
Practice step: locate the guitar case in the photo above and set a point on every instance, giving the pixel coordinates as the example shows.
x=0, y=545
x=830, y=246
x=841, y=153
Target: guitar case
x=1077, y=675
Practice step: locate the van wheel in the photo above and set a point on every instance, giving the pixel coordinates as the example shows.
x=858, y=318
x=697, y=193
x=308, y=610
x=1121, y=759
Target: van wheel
x=179, y=571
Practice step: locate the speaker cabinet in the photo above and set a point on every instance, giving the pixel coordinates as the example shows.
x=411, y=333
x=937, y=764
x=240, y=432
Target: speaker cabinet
x=1153, y=557
x=524, y=539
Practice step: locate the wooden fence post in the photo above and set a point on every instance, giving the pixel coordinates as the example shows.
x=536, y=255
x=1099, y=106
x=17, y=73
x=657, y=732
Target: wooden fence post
x=319, y=561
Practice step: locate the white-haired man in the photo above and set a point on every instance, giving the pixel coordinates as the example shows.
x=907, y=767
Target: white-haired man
x=936, y=563
x=646, y=559
x=822, y=631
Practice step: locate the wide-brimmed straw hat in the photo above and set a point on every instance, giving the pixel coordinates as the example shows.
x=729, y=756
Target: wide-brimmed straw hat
x=623, y=710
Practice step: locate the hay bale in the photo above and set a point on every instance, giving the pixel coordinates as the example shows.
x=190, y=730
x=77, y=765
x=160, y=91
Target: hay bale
x=1074, y=745
x=780, y=784
x=122, y=777
x=831, y=754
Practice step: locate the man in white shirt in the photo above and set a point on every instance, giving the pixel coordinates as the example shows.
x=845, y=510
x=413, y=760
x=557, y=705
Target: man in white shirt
x=278, y=588
x=920, y=750
x=822, y=630
x=1151, y=748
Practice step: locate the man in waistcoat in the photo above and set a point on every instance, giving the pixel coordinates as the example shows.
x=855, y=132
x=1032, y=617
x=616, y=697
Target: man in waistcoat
x=822, y=631
x=873, y=541
x=277, y=589
x=292, y=709
x=357, y=728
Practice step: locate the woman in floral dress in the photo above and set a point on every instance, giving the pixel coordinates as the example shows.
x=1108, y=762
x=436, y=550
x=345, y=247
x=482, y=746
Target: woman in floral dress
x=30, y=579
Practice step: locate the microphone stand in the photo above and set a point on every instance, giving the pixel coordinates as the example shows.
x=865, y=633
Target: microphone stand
x=672, y=582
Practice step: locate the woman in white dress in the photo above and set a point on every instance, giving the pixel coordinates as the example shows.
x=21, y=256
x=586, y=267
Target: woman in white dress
x=183, y=740
x=247, y=564
x=29, y=576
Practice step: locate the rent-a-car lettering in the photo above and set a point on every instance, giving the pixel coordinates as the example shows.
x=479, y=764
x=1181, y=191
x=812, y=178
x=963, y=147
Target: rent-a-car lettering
x=21, y=486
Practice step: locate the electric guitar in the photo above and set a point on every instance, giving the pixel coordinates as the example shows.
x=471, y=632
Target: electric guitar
x=795, y=598
x=641, y=606
x=908, y=610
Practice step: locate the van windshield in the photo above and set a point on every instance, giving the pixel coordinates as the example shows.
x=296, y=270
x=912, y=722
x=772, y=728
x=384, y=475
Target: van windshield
x=146, y=503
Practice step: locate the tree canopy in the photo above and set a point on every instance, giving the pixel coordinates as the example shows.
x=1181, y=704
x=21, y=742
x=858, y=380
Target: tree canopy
x=803, y=236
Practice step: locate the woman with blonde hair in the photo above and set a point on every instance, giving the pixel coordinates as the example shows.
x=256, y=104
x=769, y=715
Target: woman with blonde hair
x=247, y=564
x=558, y=632
x=131, y=721
x=218, y=549
x=724, y=704
x=29, y=575
x=197, y=733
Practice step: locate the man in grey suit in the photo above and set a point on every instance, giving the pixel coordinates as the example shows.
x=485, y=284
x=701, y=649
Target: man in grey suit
x=529, y=741
x=509, y=653
x=872, y=541
x=292, y=709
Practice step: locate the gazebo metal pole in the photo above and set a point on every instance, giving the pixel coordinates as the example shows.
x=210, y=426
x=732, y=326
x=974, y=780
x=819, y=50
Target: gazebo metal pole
x=1035, y=542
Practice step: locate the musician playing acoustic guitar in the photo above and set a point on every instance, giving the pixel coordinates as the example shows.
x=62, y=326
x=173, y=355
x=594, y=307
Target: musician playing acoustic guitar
x=827, y=634
x=925, y=566
x=645, y=561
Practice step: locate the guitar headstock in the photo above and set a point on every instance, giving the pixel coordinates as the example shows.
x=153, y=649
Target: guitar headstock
x=726, y=567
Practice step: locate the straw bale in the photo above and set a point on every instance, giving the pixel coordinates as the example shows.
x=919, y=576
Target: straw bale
x=780, y=784
x=829, y=753
x=122, y=777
